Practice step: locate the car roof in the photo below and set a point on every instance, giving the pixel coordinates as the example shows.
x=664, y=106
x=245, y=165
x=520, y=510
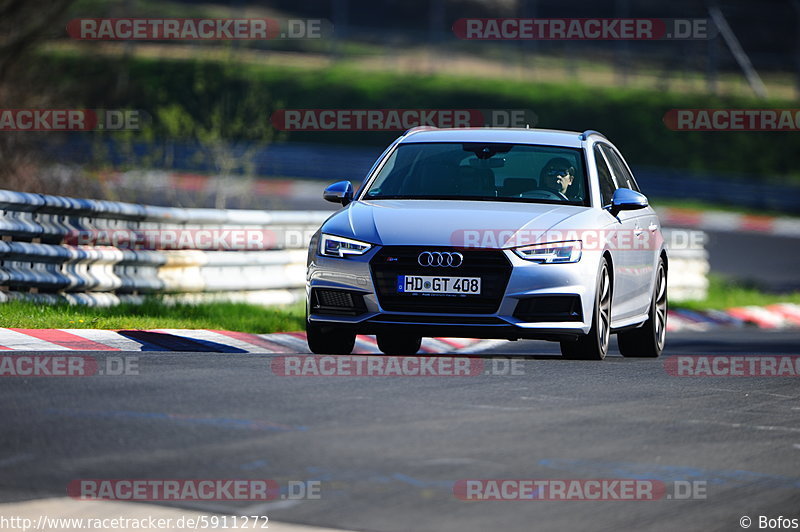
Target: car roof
x=546, y=137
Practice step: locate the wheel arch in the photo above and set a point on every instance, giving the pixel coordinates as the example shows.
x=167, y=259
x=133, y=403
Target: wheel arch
x=610, y=261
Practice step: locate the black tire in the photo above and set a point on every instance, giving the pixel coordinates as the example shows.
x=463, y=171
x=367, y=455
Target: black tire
x=648, y=340
x=398, y=344
x=329, y=339
x=594, y=346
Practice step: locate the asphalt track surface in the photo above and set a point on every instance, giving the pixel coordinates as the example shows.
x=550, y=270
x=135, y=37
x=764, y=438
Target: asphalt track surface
x=387, y=450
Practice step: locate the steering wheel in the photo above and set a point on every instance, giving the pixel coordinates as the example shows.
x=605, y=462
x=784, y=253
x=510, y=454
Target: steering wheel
x=541, y=194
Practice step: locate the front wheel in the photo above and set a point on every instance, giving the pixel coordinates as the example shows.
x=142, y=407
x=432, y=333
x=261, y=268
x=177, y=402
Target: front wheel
x=329, y=339
x=594, y=346
x=648, y=340
x=398, y=344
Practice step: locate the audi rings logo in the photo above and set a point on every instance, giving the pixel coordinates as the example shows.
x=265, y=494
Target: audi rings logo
x=438, y=259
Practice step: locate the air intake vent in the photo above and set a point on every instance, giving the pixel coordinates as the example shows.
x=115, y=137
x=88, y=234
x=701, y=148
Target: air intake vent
x=326, y=301
x=549, y=309
x=335, y=298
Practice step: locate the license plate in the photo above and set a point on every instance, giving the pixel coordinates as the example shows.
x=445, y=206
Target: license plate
x=425, y=284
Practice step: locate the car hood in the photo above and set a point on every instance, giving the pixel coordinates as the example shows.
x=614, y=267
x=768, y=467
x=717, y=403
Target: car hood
x=488, y=224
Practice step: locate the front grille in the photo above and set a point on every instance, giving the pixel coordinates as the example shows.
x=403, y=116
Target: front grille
x=549, y=309
x=344, y=302
x=491, y=265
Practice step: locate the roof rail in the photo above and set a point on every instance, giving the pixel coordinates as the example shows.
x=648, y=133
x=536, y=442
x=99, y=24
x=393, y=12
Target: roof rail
x=417, y=129
x=585, y=134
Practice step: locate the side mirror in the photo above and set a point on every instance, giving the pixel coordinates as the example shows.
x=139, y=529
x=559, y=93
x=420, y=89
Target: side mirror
x=625, y=199
x=341, y=192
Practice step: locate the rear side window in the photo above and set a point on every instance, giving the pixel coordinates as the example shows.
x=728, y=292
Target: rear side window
x=624, y=177
x=607, y=186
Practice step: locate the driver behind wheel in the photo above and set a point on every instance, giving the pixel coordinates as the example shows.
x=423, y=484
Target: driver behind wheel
x=557, y=176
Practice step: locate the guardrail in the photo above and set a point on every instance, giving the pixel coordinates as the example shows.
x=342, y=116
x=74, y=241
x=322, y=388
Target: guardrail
x=95, y=252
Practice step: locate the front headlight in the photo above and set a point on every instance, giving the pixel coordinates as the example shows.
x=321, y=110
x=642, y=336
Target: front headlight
x=337, y=246
x=551, y=252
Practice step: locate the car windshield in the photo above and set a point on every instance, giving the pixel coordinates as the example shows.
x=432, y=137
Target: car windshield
x=482, y=171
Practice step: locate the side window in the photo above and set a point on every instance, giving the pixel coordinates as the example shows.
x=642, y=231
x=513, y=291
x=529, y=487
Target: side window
x=386, y=171
x=624, y=177
x=607, y=186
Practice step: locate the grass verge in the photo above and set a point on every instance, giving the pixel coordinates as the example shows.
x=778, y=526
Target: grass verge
x=723, y=293
x=154, y=314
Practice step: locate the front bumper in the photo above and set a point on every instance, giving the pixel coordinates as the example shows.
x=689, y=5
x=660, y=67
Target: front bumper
x=530, y=301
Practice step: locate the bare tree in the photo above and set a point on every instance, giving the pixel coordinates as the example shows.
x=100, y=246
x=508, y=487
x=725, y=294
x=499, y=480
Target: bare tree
x=24, y=24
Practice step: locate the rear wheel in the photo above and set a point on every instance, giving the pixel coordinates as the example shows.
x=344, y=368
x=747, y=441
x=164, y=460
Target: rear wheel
x=648, y=340
x=594, y=346
x=398, y=344
x=329, y=339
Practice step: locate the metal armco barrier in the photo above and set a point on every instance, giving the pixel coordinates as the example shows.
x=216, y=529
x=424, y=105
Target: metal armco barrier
x=96, y=252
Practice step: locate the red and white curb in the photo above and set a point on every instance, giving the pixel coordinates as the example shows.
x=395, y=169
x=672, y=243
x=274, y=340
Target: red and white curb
x=200, y=339
x=729, y=221
x=777, y=316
